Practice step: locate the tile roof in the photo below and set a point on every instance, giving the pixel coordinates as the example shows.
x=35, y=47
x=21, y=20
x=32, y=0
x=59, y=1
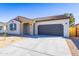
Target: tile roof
x=2, y=22
x=21, y=18
x=58, y=17
x=76, y=24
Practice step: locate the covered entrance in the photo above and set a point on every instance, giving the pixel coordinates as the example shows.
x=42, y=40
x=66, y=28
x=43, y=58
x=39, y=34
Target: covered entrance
x=26, y=29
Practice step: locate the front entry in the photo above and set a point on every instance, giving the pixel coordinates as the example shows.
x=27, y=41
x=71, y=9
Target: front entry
x=26, y=29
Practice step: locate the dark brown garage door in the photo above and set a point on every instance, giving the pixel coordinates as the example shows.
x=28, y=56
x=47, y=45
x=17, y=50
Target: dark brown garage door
x=51, y=29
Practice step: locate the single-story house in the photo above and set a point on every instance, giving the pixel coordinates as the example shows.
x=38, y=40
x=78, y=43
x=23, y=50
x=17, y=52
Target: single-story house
x=51, y=25
x=2, y=27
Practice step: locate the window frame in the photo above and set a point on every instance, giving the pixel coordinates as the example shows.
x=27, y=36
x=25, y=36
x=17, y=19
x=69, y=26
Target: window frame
x=13, y=26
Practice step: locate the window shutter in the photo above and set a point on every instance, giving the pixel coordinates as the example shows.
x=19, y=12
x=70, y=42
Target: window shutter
x=14, y=26
x=11, y=26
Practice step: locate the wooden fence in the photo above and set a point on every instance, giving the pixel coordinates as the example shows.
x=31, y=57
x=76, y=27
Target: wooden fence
x=74, y=31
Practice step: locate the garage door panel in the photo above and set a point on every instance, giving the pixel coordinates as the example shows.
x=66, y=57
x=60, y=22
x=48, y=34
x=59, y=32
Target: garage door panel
x=51, y=29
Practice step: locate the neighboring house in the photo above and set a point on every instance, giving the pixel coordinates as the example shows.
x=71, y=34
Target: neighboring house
x=2, y=27
x=52, y=25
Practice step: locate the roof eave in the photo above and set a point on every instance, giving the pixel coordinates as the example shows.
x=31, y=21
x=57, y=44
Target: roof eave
x=51, y=19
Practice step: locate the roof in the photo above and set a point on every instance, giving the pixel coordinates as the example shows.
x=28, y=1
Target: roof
x=2, y=23
x=76, y=24
x=58, y=17
x=21, y=18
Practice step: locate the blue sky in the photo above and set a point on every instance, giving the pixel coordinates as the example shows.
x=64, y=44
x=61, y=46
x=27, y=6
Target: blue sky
x=9, y=11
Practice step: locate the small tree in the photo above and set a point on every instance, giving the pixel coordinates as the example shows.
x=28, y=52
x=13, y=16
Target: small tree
x=72, y=19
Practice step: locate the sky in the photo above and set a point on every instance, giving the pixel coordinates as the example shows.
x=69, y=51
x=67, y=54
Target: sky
x=9, y=11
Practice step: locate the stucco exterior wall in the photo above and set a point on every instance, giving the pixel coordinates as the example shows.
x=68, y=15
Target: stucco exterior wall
x=64, y=22
x=31, y=29
x=21, y=28
x=17, y=31
x=1, y=31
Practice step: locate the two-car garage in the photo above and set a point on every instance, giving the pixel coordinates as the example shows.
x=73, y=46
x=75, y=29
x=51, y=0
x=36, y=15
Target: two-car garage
x=52, y=27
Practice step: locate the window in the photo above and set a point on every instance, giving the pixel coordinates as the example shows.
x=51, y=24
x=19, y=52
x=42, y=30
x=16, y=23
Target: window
x=13, y=26
x=1, y=27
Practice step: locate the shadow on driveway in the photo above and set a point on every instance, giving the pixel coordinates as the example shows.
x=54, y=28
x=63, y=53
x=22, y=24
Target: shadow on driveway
x=29, y=36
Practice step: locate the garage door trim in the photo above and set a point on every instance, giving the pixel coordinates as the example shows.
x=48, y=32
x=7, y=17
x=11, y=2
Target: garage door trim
x=51, y=29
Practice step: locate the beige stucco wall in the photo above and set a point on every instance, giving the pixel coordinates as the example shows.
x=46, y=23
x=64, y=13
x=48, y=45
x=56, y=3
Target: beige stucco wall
x=64, y=22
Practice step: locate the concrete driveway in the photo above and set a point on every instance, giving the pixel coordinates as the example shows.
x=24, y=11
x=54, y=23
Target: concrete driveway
x=55, y=46
x=50, y=46
x=18, y=51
